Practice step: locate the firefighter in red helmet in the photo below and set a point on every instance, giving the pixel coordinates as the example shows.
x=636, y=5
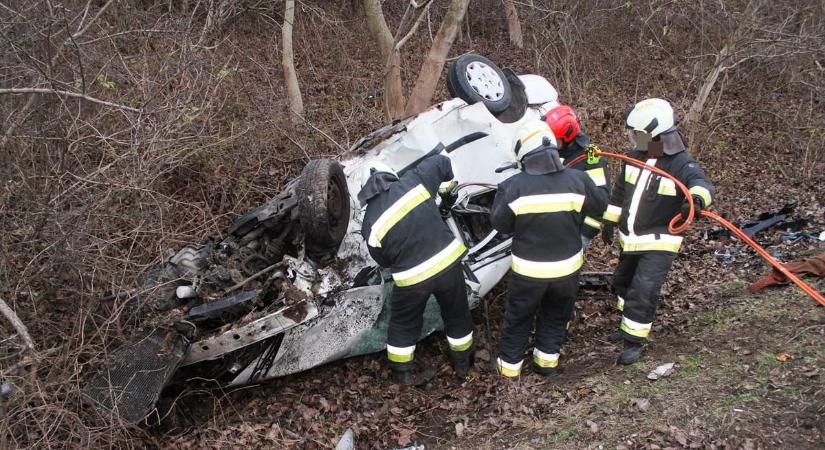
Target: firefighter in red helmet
x=572, y=143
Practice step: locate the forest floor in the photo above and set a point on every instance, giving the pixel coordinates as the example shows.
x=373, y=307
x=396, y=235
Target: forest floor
x=748, y=374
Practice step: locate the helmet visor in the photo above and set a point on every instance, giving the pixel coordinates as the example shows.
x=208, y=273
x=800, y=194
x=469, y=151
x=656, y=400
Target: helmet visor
x=639, y=139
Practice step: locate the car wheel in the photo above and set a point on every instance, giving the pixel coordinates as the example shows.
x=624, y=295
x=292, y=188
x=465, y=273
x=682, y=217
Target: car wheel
x=323, y=207
x=474, y=78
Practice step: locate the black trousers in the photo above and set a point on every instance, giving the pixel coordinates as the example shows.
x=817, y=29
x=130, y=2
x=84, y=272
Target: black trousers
x=407, y=312
x=547, y=303
x=638, y=281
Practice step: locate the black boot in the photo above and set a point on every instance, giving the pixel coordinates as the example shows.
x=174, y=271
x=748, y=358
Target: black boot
x=631, y=352
x=546, y=372
x=463, y=361
x=403, y=376
x=615, y=337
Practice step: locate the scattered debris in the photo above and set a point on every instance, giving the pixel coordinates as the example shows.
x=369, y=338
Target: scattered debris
x=765, y=221
x=768, y=220
x=665, y=370
x=728, y=256
x=794, y=236
x=347, y=441
x=459, y=429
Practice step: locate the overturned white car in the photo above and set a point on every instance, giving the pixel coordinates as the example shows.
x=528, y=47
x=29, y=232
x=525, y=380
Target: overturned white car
x=291, y=285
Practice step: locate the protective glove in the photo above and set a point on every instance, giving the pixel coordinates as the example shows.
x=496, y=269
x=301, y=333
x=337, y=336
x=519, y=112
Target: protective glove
x=698, y=204
x=448, y=196
x=607, y=232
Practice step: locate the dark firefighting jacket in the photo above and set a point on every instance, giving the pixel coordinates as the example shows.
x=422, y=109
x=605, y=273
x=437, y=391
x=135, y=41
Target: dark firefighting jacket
x=597, y=172
x=643, y=203
x=544, y=208
x=403, y=227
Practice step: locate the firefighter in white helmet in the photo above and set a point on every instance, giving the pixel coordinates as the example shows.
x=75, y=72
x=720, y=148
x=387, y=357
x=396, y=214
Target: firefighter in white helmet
x=544, y=208
x=642, y=204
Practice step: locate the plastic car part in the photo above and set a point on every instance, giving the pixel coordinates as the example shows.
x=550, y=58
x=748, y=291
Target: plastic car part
x=474, y=78
x=539, y=91
x=323, y=208
x=131, y=385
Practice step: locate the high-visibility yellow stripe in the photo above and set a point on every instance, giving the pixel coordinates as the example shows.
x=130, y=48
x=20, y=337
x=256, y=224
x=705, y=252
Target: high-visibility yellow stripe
x=508, y=369
x=634, y=328
x=631, y=174
x=545, y=360
x=597, y=175
x=460, y=344
x=400, y=354
x=667, y=187
x=396, y=212
x=702, y=192
x=591, y=222
x=547, y=203
x=620, y=303
x=612, y=214
x=430, y=267
x=548, y=269
x=650, y=243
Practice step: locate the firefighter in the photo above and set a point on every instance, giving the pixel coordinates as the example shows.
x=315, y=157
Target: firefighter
x=642, y=204
x=572, y=144
x=404, y=232
x=543, y=207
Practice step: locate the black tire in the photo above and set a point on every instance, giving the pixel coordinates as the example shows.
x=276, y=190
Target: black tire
x=496, y=93
x=323, y=207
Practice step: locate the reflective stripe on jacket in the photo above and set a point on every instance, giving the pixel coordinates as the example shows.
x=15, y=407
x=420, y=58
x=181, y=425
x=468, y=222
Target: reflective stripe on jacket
x=545, y=214
x=404, y=229
x=643, y=203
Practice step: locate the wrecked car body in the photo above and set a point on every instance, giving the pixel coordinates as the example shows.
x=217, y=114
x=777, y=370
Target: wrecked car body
x=291, y=286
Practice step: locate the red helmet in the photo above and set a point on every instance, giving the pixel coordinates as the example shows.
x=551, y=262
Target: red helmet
x=564, y=123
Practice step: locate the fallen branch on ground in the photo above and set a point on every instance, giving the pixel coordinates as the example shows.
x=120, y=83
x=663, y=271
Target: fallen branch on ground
x=18, y=325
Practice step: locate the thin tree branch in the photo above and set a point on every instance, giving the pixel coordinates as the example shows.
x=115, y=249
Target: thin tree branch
x=18, y=325
x=67, y=94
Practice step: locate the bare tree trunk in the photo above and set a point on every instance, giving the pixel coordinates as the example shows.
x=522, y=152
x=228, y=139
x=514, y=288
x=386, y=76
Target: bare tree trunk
x=293, y=90
x=393, y=92
x=422, y=93
x=513, y=24
x=704, y=91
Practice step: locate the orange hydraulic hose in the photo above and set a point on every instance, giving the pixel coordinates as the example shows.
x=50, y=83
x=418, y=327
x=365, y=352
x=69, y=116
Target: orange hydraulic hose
x=676, y=228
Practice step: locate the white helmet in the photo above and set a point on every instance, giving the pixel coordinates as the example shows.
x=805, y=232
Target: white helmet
x=653, y=116
x=372, y=167
x=532, y=135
